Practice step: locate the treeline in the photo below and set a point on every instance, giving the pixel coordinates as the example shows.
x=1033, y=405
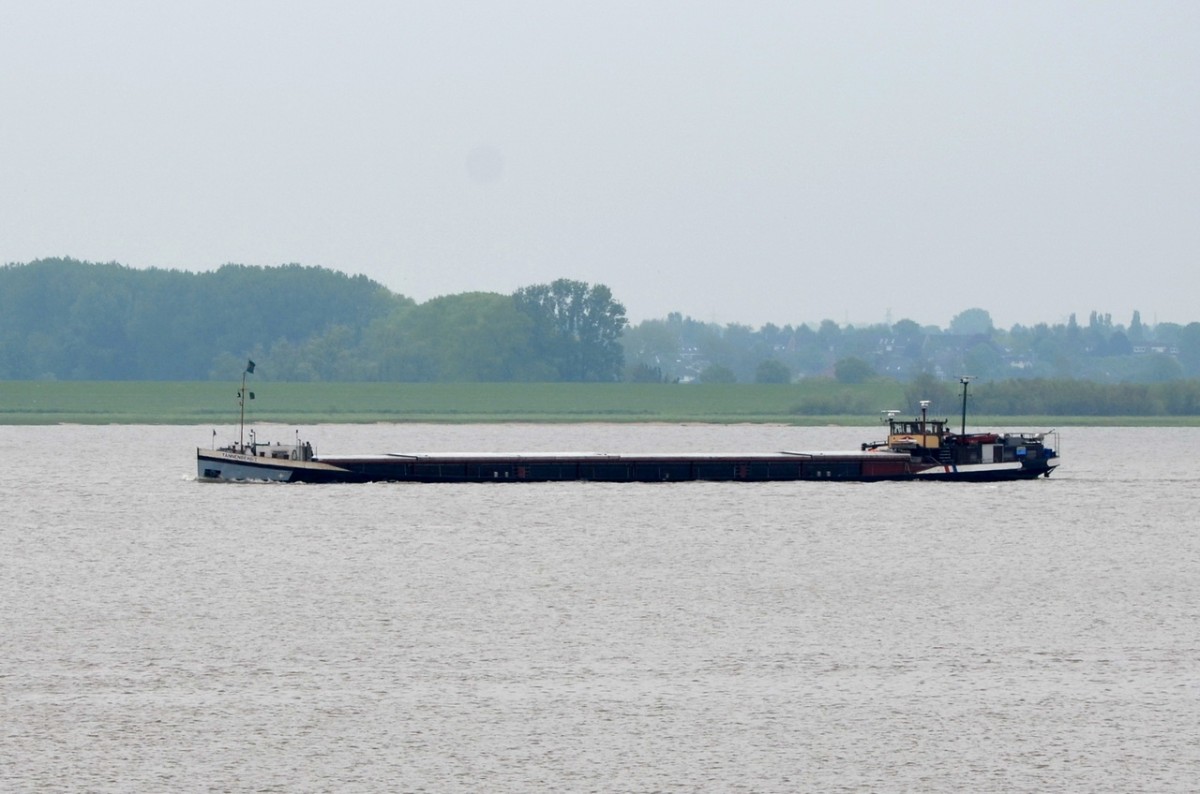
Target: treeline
x=1087, y=398
x=682, y=348
x=1057, y=397
x=70, y=320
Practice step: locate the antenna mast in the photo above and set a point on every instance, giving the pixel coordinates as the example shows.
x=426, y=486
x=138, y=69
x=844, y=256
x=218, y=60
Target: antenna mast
x=964, y=380
x=242, y=406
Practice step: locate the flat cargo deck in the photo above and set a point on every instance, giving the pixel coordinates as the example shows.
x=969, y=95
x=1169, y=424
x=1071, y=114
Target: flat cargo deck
x=563, y=466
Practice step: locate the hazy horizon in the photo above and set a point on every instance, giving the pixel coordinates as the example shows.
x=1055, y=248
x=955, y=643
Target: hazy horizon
x=773, y=162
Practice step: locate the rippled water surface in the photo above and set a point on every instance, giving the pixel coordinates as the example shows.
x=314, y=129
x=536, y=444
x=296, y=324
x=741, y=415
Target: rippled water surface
x=157, y=633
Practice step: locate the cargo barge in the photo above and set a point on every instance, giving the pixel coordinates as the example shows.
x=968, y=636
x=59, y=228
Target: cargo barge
x=917, y=449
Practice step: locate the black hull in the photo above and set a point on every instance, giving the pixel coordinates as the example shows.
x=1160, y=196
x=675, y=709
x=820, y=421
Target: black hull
x=776, y=467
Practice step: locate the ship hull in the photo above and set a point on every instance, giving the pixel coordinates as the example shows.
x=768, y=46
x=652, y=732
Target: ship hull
x=226, y=466
x=217, y=465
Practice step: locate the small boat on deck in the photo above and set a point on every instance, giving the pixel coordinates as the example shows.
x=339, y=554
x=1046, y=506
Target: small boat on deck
x=917, y=449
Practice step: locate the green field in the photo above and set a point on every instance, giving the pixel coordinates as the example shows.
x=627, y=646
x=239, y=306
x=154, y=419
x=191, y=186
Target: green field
x=209, y=402
x=37, y=402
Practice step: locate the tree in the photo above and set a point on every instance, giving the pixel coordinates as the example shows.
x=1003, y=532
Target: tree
x=927, y=387
x=1189, y=349
x=1119, y=344
x=576, y=328
x=984, y=361
x=644, y=373
x=1137, y=331
x=654, y=343
x=852, y=370
x=909, y=337
x=772, y=371
x=806, y=353
x=829, y=334
x=1158, y=368
x=107, y=321
x=715, y=373
x=481, y=336
x=972, y=322
x=473, y=336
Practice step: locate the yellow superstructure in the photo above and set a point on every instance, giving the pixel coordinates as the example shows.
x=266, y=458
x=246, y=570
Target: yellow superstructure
x=918, y=433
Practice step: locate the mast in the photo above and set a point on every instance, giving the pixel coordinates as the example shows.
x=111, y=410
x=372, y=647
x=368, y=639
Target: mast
x=964, y=380
x=242, y=406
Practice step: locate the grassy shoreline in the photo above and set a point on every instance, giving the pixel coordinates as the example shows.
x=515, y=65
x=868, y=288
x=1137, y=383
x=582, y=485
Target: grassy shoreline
x=212, y=402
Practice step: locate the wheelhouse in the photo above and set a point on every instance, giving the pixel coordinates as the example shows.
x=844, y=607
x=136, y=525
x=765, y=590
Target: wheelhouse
x=906, y=434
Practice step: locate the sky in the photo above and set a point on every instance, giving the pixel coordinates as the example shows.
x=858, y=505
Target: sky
x=748, y=162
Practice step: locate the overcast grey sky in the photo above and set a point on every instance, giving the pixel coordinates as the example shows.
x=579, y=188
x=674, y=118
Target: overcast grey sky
x=744, y=162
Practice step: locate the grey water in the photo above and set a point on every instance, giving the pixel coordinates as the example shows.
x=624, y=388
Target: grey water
x=163, y=634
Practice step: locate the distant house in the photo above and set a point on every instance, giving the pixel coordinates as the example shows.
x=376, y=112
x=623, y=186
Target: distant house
x=1144, y=350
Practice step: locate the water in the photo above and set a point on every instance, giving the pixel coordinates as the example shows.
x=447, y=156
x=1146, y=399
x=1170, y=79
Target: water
x=158, y=633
